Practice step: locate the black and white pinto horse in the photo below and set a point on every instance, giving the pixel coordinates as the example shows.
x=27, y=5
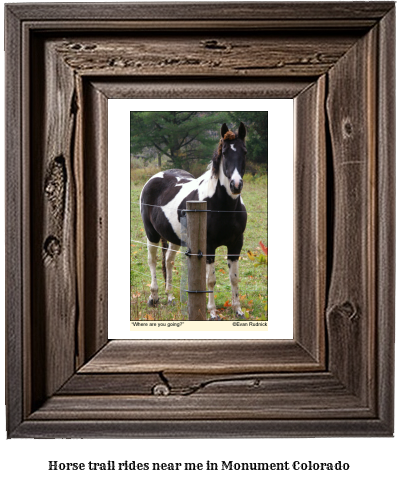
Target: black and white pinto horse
x=164, y=196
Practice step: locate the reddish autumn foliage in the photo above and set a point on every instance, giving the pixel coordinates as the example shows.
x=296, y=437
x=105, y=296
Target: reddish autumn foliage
x=264, y=249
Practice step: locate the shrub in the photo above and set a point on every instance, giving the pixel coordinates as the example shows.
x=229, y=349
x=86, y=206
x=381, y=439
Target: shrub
x=140, y=175
x=253, y=169
x=197, y=169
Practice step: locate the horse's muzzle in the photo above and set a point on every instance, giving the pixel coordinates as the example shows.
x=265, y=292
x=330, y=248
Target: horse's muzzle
x=236, y=189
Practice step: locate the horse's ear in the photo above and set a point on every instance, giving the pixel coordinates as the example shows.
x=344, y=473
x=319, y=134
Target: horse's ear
x=242, y=132
x=223, y=130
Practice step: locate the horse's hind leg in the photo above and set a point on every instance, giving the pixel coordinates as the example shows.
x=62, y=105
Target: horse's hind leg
x=235, y=294
x=152, y=262
x=211, y=281
x=169, y=261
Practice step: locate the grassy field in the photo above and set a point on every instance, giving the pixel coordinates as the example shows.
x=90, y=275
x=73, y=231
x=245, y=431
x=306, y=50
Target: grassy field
x=253, y=278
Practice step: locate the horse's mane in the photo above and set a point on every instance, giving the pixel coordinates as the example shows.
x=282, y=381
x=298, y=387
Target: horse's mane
x=217, y=156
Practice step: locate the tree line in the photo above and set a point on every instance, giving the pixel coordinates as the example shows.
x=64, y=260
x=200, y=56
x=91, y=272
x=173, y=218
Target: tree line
x=190, y=138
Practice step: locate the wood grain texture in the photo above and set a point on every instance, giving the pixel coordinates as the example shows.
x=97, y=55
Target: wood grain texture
x=351, y=306
x=200, y=356
x=53, y=213
x=95, y=221
x=195, y=87
x=196, y=267
x=202, y=407
x=15, y=235
x=310, y=200
x=359, y=14
x=184, y=383
x=314, y=26
x=241, y=55
x=112, y=384
x=249, y=428
x=385, y=261
x=236, y=397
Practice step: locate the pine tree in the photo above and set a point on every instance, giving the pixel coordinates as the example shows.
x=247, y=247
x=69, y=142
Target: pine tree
x=257, y=138
x=184, y=137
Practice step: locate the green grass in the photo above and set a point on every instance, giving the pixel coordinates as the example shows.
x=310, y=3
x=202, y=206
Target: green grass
x=253, y=280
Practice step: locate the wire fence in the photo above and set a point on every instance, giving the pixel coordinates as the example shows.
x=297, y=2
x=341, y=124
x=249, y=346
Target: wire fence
x=183, y=274
x=207, y=211
x=177, y=287
x=183, y=268
x=183, y=210
x=180, y=251
x=150, y=277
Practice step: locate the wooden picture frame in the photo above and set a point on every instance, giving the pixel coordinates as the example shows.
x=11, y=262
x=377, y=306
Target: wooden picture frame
x=64, y=377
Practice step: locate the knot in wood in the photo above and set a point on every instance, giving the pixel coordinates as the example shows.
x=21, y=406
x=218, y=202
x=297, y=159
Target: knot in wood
x=347, y=128
x=50, y=189
x=52, y=246
x=213, y=44
x=161, y=390
x=90, y=47
x=54, y=186
x=346, y=310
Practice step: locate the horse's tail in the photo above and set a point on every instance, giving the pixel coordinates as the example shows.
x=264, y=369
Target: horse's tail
x=164, y=250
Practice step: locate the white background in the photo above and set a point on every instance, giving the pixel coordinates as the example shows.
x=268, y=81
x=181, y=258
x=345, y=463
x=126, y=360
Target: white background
x=373, y=461
x=280, y=231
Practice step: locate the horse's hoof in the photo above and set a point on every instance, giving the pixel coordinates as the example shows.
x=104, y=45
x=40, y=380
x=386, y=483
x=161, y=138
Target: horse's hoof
x=215, y=318
x=152, y=303
x=240, y=314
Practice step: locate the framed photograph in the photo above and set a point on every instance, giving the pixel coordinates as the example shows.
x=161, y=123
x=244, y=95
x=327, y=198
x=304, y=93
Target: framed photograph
x=133, y=160
x=67, y=375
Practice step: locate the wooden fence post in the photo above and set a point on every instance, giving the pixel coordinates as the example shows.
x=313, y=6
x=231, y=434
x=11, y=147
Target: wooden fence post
x=196, y=243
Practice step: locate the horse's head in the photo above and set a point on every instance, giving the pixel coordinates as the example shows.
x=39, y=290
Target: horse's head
x=230, y=162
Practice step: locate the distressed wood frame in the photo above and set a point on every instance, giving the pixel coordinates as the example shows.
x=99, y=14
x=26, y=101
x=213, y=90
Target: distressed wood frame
x=64, y=378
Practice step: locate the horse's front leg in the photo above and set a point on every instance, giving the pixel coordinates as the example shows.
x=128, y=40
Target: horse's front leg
x=169, y=261
x=211, y=281
x=152, y=262
x=232, y=263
